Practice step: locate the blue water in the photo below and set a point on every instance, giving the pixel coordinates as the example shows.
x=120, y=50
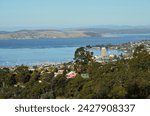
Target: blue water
x=28, y=56
x=43, y=51
x=73, y=42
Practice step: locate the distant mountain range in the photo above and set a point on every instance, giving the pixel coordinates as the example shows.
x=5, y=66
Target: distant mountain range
x=97, y=31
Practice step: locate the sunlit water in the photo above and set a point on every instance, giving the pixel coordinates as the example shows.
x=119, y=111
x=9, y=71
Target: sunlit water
x=43, y=51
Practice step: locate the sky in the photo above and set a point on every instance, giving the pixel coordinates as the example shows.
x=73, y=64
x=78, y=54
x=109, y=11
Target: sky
x=25, y=14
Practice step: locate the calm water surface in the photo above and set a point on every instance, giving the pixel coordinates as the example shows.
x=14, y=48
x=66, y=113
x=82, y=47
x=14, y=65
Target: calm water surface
x=43, y=51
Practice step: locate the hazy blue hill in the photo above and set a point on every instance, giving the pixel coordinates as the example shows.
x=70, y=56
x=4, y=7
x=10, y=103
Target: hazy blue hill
x=4, y=32
x=118, y=29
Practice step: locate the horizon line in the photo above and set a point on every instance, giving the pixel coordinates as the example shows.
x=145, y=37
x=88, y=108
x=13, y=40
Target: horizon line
x=20, y=28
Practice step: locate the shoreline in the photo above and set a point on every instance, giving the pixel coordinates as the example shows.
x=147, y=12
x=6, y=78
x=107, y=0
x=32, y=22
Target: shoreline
x=127, y=48
x=101, y=36
x=38, y=64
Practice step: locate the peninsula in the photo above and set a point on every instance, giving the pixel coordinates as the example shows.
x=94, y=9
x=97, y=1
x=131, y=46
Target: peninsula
x=73, y=33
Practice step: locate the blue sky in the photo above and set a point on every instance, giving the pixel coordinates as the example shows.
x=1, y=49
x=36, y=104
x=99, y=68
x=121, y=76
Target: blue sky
x=72, y=13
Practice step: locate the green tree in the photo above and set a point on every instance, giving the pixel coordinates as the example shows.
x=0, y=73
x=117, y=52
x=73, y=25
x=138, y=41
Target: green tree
x=117, y=92
x=22, y=74
x=73, y=87
x=82, y=55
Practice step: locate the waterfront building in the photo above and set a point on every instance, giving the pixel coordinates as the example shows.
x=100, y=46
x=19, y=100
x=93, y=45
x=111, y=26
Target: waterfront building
x=103, y=52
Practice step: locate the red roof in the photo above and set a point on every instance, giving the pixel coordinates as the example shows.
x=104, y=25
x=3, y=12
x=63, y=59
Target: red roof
x=71, y=75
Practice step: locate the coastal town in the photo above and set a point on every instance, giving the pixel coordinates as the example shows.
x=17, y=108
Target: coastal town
x=85, y=73
x=103, y=58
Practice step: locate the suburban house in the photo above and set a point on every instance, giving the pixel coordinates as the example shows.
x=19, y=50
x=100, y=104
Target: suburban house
x=71, y=74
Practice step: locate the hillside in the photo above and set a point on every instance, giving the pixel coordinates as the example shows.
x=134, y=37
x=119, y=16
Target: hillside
x=41, y=34
x=72, y=33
